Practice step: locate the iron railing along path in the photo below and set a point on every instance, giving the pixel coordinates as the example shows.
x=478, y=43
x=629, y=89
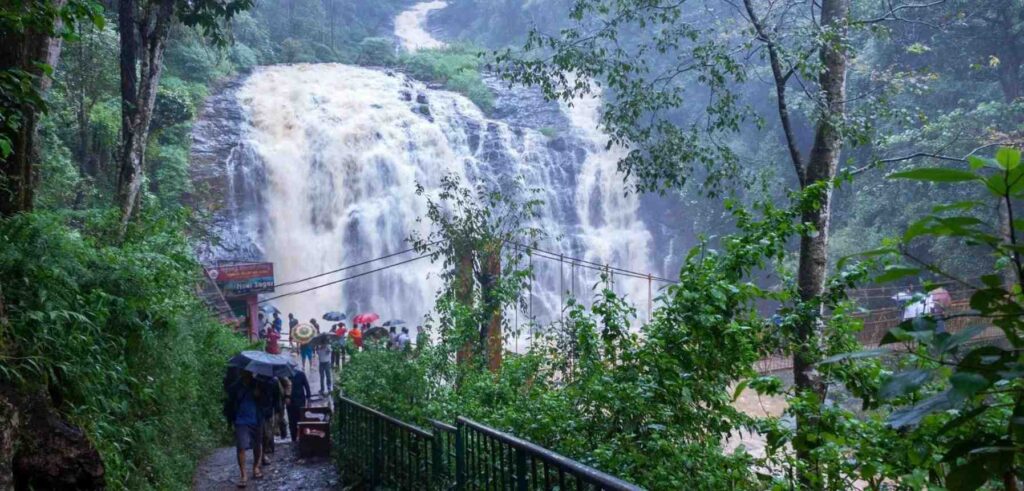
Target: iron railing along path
x=380, y=452
x=490, y=459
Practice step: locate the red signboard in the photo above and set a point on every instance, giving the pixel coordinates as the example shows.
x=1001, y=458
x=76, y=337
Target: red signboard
x=243, y=279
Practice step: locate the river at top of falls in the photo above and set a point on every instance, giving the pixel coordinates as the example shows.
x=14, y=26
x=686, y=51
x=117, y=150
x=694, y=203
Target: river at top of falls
x=410, y=26
x=328, y=163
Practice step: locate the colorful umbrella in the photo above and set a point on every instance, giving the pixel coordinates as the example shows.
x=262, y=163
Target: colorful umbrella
x=303, y=333
x=335, y=316
x=365, y=318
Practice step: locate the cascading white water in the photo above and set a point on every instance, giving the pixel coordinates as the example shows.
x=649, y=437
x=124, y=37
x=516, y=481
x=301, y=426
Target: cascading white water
x=410, y=26
x=338, y=151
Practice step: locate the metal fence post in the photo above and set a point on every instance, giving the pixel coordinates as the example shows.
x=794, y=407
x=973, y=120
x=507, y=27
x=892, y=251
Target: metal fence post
x=522, y=484
x=460, y=458
x=437, y=475
x=375, y=450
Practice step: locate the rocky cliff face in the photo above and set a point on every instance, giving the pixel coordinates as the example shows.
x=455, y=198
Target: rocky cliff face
x=227, y=177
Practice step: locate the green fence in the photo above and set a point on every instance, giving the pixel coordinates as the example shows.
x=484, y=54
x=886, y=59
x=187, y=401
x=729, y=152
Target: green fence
x=377, y=451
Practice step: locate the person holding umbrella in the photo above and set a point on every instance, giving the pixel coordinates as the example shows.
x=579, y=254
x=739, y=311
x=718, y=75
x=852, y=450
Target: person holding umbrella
x=243, y=413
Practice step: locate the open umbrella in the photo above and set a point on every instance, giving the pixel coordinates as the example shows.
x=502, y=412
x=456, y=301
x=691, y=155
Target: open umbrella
x=365, y=318
x=323, y=338
x=393, y=322
x=375, y=333
x=303, y=333
x=335, y=316
x=261, y=363
x=269, y=309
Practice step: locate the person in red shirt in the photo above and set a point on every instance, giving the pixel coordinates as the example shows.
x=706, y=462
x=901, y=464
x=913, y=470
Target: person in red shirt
x=273, y=342
x=338, y=344
x=357, y=337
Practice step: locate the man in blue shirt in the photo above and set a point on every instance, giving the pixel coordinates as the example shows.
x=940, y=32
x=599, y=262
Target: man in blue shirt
x=244, y=402
x=278, y=323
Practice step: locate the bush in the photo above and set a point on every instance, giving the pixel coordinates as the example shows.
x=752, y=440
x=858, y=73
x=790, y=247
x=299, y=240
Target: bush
x=375, y=51
x=118, y=334
x=457, y=68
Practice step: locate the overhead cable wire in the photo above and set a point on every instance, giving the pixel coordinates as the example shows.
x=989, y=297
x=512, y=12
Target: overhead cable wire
x=593, y=265
x=344, y=268
x=335, y=282
x=598, y=267
x=365, y=273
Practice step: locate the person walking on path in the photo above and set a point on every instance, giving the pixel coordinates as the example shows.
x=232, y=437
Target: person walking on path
x=306, y=356
x=338, y=345
x=268, y=408
x=357, y=337
x=279, y=410
x=315, y=325
x=296, y=401
x=323, y=354
x=292, y=322
x=243, y=413
x=402, y=342
x=273, y=342
x=278, y=323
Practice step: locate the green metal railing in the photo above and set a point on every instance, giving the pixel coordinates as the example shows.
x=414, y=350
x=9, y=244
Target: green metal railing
x=381, y=452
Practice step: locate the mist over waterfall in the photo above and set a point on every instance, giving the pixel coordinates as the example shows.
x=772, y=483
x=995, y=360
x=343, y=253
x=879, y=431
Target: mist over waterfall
x=321, y=161
x=324, y=170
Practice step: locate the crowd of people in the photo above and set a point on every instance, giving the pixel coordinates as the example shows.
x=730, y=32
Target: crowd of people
x=260, y=408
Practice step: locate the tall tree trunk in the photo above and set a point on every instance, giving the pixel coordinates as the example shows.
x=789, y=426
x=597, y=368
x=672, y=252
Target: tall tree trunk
x=23, y=51
x=142, y=36
x=820, y=170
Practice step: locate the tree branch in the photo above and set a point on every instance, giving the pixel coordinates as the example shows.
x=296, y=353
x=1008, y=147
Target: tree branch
x=780, y=91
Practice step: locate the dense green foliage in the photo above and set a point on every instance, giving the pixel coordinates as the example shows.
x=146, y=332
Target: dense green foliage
x=652, y=403
x=457, y=68
x=118, y=335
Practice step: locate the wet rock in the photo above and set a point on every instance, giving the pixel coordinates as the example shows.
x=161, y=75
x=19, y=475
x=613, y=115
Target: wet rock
x=425, y=110
x=421, y=98
x=558, y=144
x=406, y=95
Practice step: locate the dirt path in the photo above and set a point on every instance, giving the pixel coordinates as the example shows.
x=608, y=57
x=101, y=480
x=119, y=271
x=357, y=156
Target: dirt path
x=287, y=471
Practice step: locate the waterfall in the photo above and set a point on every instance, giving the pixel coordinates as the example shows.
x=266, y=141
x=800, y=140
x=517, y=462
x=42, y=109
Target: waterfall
x=331, y=155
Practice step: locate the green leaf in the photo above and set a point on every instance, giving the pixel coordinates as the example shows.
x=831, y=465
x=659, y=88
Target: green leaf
x=950, y=342
x=967, y=477
x=739, y=389
x=869, y=353
x=5, y=147
x=936, y=174
x=968, y=383
x=893, y=273
x=1008, y=158
x=912, y=416
x=977, y=163
x=904, y=383
x=996, y=183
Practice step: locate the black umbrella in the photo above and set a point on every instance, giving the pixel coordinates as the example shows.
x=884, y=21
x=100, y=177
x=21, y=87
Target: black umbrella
x=393, y=322
x=323, y=338
x=375, y=333
x=261, y=363
x=335, y=316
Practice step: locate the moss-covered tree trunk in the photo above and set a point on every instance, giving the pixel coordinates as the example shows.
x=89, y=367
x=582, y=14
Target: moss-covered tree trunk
x=24, y=51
